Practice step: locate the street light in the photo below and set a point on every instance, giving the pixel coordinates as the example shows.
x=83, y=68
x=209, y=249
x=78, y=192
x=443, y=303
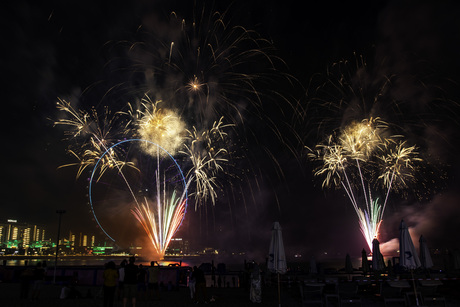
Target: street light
x=60, y=212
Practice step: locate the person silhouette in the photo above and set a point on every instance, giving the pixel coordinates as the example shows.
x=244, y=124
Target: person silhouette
x=130, y=282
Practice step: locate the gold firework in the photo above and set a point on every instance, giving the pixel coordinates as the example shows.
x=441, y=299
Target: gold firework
x=96, y=135
x=359, y=158
x=160, y=126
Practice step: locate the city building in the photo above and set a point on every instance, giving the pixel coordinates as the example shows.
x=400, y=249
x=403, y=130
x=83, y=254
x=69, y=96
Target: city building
x=19, y=237
x=178, y=246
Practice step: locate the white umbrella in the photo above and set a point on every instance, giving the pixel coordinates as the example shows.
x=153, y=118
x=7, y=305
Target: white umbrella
x=408, y=257
x=407, y=254
x=277, y=257
x=378, y=263
x=425, y=257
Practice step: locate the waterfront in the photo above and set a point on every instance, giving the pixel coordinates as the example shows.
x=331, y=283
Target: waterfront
x=87, y=281
x=235, y=262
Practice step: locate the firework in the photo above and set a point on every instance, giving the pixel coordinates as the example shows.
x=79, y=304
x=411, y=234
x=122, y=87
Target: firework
x=207, y=158
x=357, y=160
x=162, y=220
x=360, y=158
x=202, y=66
x=157, y=192
x=158, y=125
x=94, y=135
x=190, y=74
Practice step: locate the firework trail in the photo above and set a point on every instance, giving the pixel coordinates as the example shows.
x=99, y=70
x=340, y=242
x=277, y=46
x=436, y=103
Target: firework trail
x=161, y=222
x=359, y=159
x=153, y=192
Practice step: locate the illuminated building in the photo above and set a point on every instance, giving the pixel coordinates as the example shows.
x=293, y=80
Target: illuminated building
x=19, y=237
x=178, y=246
x=26, y=236
x=15, y=235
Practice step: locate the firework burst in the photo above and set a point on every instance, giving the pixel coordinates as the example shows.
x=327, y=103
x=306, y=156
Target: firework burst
x=360, y=159
x=208, y=157
x=158, y=125
x=204, y=65
x=93, y=135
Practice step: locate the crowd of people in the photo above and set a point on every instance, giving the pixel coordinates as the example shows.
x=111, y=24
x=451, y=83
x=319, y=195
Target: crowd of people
x=32, y=280
x=130, y=281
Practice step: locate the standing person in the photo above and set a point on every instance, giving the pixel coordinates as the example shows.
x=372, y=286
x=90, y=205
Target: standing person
x=200, y=285
x=153, y=273
x=26, y=277
x=192, y=283
x=110, y=283
x=39, y=277
x=121, y=278
x=255, y=294
x=130, y=282
x=141, y=282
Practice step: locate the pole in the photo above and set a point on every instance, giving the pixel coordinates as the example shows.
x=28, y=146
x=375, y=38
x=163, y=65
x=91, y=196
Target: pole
x=415, y=289
x=279, y=292
x=60, y=212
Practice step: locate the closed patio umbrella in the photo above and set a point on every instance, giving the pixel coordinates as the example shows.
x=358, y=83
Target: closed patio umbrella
x=408, y=257
x=313, y=268
x=407, y=254
x=378, y=263
x=277, y=258
x=348, y=265
x=425, y=258
x=364, y=262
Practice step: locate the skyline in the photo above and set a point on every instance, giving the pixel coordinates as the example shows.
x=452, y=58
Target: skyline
x=403, y=41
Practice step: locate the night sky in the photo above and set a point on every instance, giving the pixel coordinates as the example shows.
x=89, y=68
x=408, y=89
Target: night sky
x=60, y=49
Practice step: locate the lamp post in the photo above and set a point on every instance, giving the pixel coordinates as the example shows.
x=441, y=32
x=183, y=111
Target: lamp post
x=60, y=212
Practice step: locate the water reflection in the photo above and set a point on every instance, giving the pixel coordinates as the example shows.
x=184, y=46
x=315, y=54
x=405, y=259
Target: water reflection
x=85, y=262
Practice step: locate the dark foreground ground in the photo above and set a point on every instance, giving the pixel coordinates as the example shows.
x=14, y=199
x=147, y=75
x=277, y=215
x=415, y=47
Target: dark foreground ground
x=290, y=296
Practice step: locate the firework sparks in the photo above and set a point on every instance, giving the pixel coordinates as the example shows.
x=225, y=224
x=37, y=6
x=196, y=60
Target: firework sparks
x=194, y=85
x=94, y=134
x=154, y=190
x=360, y=157
x=193, y=73
x=159, y=126
x=207, y=158
x=206, y=66
x=161, y=222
